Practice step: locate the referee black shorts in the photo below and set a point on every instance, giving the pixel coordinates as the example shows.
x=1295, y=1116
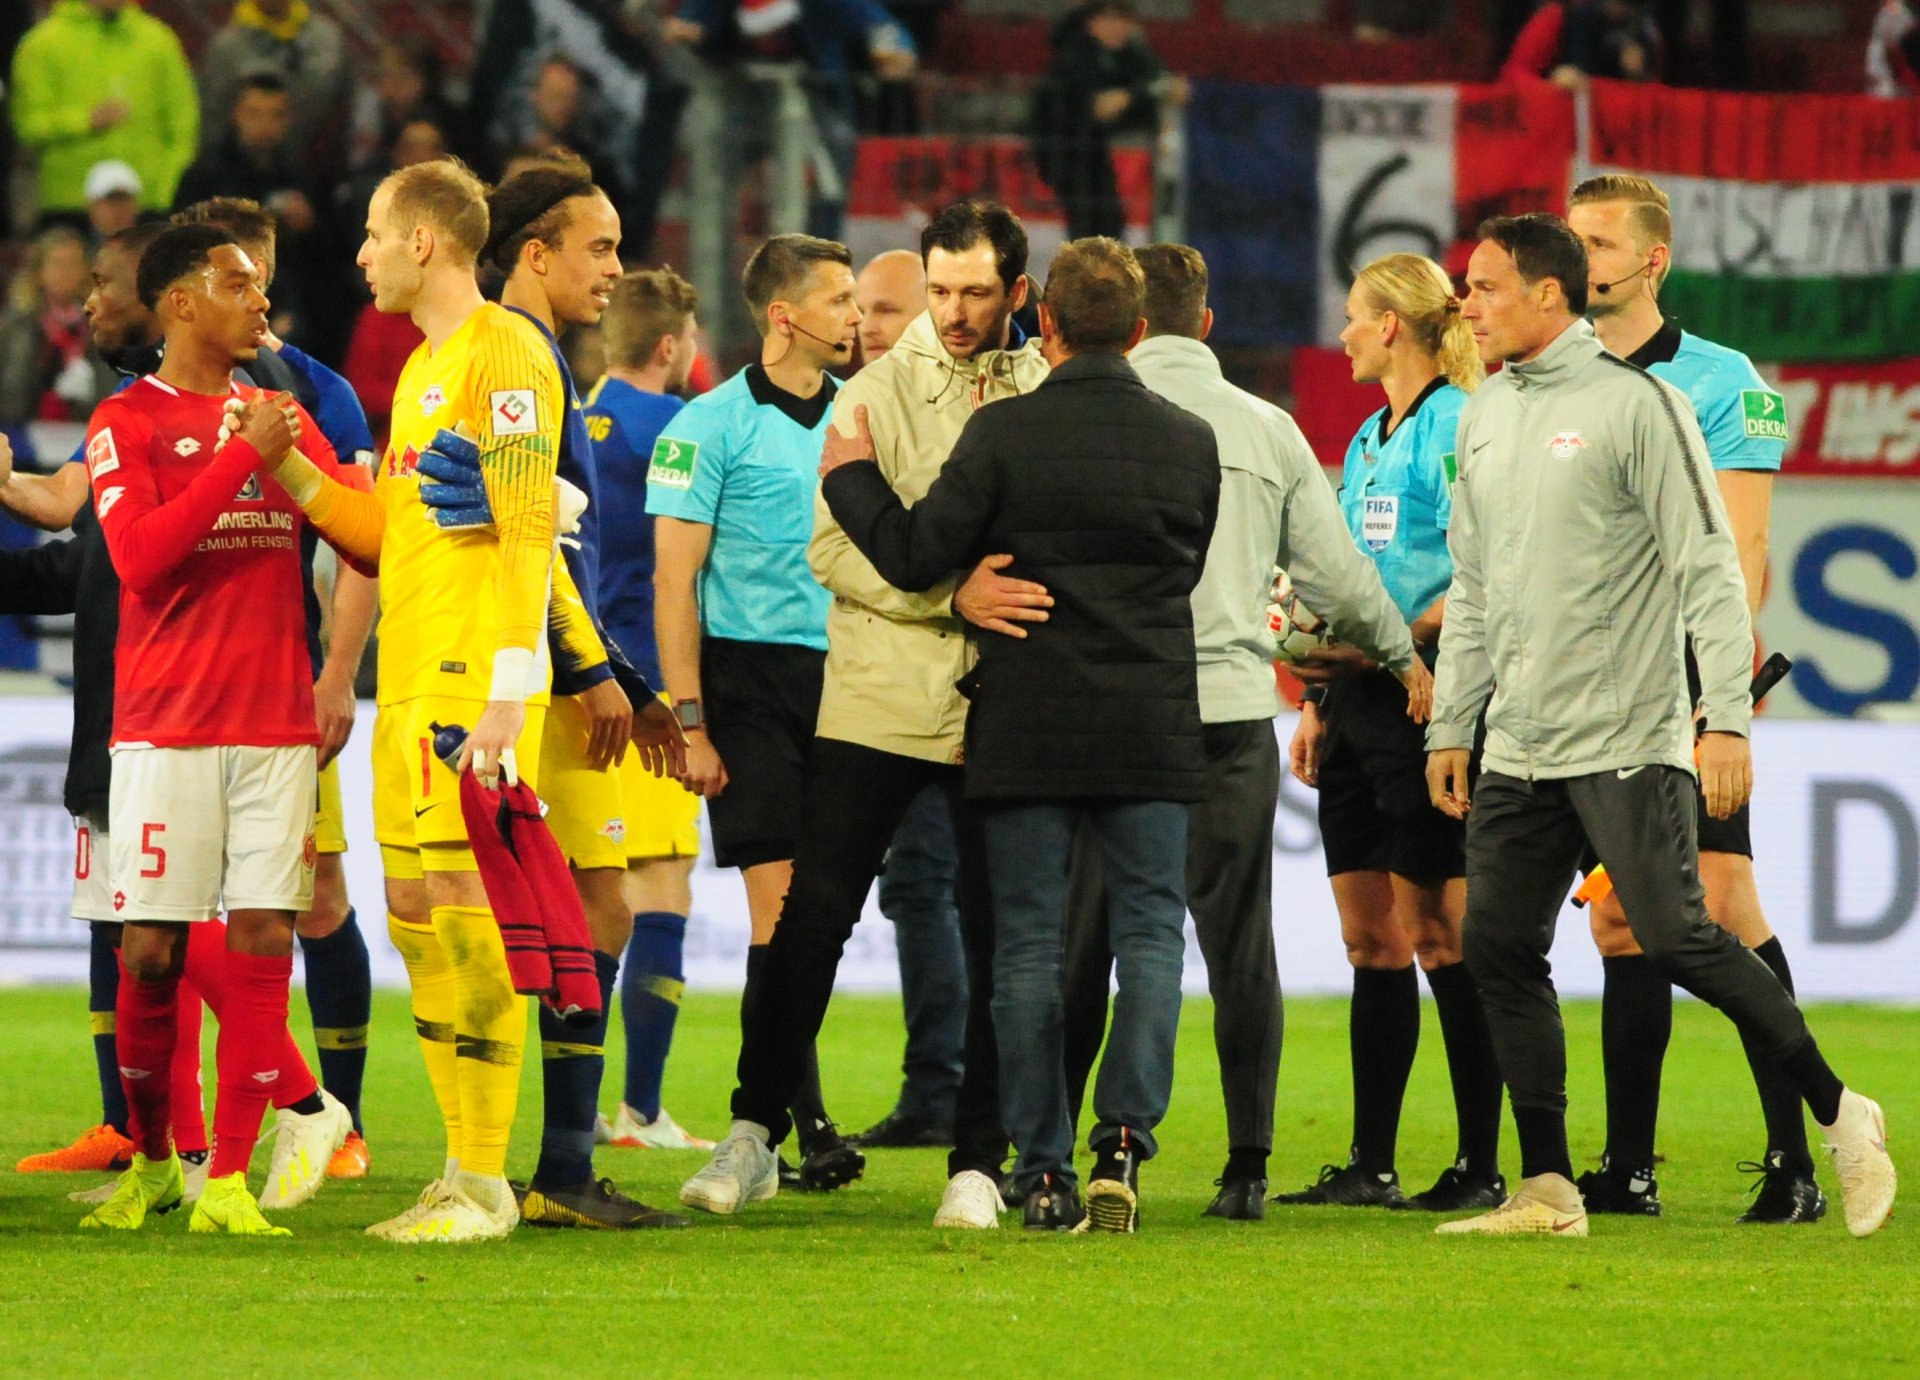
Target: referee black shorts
x=762, y=704
x=1375, y=813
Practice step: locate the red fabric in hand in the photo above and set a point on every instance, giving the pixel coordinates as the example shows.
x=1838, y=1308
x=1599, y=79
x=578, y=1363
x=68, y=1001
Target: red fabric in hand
x=531, y=891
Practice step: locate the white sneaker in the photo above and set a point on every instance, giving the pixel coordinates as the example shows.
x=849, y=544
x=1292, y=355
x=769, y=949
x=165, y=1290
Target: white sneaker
x=972, y=1203
x=1857, y=1140
x=602, y=1129
x=193, y=1174
x=456, y=1219
x=1545, y=1205
x=429, y=1199
x=633, y=1131
x=743, y=1170
x=302, y=1148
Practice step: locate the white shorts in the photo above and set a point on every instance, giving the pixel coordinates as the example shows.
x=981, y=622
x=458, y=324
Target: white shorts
x=199, y=830
x=92, y=872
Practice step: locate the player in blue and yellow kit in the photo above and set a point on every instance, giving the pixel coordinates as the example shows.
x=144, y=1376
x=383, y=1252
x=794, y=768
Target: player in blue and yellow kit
x=1397, y=865
x=555, y=237
x=648, y=332
x=1627, y=228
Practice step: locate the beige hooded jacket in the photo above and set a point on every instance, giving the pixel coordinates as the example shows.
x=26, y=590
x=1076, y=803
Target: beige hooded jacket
x=893, y=659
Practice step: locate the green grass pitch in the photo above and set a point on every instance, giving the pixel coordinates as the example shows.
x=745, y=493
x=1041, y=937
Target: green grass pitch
x=858, y=1283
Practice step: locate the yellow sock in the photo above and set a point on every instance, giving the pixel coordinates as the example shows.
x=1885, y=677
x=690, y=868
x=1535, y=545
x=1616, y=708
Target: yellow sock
x=431, y=976
x=490, y=1034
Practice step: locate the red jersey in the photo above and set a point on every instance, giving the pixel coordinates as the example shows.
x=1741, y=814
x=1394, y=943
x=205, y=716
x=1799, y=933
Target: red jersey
x=213, y=646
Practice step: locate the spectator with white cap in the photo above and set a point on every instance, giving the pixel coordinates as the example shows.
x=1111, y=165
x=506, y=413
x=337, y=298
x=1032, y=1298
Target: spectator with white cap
x=113, y=191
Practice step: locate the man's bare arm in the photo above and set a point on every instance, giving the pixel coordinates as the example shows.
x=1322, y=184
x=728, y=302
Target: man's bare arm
x=47, y=501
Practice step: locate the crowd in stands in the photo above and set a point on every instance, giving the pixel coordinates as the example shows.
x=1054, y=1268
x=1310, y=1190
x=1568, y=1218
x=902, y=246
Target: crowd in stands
x=112, y=118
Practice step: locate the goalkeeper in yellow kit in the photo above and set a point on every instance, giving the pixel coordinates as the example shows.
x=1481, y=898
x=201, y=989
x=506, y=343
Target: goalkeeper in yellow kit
x=462, y=641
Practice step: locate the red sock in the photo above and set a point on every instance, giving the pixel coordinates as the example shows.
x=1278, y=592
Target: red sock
x=189, y=1103
x=207, y=970
x=249, y=1055
x=144, y=1038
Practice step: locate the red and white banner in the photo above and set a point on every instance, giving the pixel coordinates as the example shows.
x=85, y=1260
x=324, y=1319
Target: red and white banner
x=1852, y=420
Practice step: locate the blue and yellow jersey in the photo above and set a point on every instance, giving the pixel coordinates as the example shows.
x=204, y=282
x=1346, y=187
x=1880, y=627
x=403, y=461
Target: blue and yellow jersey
x=739, y=461
x=624, y=423
x=580, y=657
x=448, y=599
x=1397, y=494
x=1744, y=420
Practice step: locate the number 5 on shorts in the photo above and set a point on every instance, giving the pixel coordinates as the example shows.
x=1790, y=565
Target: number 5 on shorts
x=153, y=851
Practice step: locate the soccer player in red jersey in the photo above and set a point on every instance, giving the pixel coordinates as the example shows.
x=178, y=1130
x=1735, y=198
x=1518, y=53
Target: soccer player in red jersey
x=200, y=489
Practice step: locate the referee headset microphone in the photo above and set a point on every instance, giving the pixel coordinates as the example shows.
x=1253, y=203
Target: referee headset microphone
x=1604, y=288
x=839, y=347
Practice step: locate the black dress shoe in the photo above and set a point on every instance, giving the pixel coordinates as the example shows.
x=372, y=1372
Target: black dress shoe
x=897, y=1132
x=1052, y=1205
x=1784, y=1194
x=1010, y=1191
x=1459, y=1188
x=1239, y=1199
x=1346, y=1186
x=596, y=1205
x=1619, y=1192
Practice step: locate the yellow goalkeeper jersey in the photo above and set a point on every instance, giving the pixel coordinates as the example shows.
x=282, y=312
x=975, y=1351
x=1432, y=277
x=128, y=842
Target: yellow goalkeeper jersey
x=448, y=599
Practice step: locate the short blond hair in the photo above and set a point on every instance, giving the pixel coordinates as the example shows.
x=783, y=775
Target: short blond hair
x=646, y=306
x=447, y=197
x=1648, y=210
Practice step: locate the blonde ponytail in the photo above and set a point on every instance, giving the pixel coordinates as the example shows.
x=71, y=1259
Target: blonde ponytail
x=1418, y=291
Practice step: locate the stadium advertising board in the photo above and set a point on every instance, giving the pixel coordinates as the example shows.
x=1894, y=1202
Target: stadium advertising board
x=1843, y=599
x=1836, y=835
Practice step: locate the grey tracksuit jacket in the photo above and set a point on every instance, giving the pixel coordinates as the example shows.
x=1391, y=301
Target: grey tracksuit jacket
x=1275, y=507
x=1588, y=540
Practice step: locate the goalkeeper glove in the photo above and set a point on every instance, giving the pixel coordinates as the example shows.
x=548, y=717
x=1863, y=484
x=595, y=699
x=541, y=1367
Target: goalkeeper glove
x=452, y=486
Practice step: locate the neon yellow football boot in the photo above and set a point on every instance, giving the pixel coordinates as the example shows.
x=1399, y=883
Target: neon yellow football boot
x=148, y=1186
x=226, y=1206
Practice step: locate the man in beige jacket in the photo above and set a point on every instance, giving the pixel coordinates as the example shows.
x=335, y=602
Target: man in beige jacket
x=892, y=714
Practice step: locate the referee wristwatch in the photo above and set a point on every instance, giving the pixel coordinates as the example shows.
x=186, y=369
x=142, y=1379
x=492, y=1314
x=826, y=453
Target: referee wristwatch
x=689, y=714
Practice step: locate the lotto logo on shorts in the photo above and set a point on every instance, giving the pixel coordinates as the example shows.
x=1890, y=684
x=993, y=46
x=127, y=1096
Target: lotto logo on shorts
x=514, y=413
x=119, y=901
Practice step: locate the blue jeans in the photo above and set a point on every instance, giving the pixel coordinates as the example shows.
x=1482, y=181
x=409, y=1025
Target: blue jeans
x=916, y=894
x=1144, y=856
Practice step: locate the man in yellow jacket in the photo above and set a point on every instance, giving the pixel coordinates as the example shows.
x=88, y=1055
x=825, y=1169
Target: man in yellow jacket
x=100, y=79
x=891, y=720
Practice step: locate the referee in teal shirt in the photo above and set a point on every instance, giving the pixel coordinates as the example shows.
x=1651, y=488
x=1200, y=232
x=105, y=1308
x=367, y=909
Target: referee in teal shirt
x=740, y=621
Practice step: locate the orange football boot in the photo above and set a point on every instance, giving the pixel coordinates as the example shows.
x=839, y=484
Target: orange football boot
x=101, y=1150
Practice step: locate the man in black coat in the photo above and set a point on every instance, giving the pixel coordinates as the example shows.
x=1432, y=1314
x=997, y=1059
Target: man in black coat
x=1106, y=494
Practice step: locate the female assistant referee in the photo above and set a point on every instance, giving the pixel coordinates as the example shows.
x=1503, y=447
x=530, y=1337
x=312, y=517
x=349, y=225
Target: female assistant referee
x=1398, y=866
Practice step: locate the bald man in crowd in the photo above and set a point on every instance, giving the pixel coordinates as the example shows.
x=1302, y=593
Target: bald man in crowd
x=891, y=291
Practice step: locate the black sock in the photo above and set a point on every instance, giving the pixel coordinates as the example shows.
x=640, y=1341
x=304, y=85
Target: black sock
x=573, y=1059
x=1383, y=1033
x=309, y=1105
x=1818, y=1083
x=1472, y=1066
x=1636, y=1022
x=103, y=990
x=1246, y=1162
x=340, y=998
x=1779, y=1098
x=812, y=1127
x=1543, y=1142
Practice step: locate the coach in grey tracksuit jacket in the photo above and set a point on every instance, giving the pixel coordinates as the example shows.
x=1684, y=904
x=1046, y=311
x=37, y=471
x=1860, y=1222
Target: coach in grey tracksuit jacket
x=1588, y=538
